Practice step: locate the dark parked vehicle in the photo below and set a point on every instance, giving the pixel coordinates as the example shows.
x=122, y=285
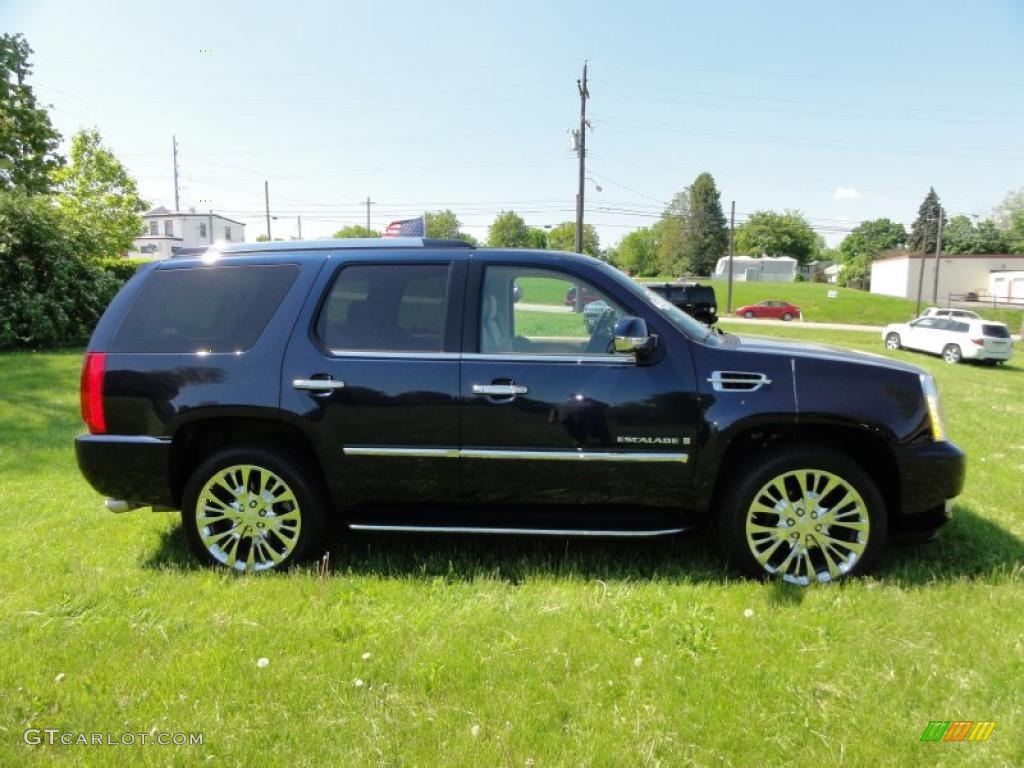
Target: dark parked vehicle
x=397, y=386
x=696, y=300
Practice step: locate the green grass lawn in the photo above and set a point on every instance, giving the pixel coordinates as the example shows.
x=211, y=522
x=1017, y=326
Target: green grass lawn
x=485, y=652
x=849, y=306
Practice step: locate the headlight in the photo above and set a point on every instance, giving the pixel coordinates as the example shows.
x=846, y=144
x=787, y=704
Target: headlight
x=931, y=396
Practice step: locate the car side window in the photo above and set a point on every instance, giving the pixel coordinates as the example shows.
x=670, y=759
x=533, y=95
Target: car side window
x=386, y=308
x=524, y=310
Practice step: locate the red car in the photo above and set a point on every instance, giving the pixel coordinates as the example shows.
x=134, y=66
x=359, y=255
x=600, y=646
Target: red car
x=778, y=310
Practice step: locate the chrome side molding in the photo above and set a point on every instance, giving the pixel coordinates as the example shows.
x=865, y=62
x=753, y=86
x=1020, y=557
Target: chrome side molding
x=564, y=532
x=487, y=453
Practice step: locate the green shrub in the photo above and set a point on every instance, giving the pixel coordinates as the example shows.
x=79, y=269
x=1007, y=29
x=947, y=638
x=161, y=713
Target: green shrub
x=122, y=269
x=48, y=295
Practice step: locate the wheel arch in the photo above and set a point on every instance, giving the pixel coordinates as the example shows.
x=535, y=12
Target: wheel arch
x=869, y=449
x=196, y=440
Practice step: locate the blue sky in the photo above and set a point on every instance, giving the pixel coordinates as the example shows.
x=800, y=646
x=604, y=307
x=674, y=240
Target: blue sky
x=844, y=111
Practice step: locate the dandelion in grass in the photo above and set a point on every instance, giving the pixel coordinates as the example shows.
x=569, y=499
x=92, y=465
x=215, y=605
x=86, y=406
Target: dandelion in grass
x=262, y=662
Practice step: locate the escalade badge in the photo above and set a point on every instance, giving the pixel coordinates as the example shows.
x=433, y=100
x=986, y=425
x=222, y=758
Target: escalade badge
x=649, y=440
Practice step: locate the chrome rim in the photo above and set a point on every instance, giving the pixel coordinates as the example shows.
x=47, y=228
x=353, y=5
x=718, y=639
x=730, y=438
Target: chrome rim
x=952, y=355
x=807, y=525
x=248, y=518
x=893, y=341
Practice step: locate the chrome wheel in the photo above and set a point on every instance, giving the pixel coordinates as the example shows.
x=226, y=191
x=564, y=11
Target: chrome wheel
x=892, y=341
x=951, y=354
x=807, y=525
x=248, y=518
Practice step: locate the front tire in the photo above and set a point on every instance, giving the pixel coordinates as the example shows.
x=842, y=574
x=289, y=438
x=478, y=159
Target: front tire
x=952, y=354
x=807, y=514
x=250, y=509
x=749, y=315
x=892, y=341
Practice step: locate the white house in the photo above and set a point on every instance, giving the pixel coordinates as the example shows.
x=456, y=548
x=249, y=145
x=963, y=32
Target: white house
x=166, y=231
x=767, y=269
x=899, y=274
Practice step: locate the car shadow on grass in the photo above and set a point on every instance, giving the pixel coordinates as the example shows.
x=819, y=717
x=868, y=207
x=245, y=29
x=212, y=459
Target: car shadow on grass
x=969, y=547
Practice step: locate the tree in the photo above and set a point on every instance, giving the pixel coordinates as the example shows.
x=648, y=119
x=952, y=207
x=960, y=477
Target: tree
x=870, y=238
x=508, y=230
x=445, y=225
x=563, y=238
x=355, y=230
x=671, y=234
x=706, y=236
x=1010, y=220
x=778, y=234
x=99, y=197
x=925, y=230
x=638, y=253
x=48, y=295
x=536, y=238
x=28, y=141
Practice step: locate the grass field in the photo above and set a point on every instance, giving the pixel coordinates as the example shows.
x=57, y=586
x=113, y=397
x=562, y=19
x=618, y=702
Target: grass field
x=479, y=652
x=849, y=306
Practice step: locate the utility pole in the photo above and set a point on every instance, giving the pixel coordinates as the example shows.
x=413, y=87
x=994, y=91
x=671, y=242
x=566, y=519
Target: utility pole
x=938, y=254
x=732, y=235
x=266, y=198
x=299, y=217
x=581, y=150
x=174, y=141
x=924, y=257
x=369, y=202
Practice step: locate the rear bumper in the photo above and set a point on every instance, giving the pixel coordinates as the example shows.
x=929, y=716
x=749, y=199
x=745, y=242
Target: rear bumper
x=932, y=475
x=126, y=467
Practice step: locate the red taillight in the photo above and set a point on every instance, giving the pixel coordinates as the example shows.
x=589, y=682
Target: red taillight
x=92, y=392
x=979, y=342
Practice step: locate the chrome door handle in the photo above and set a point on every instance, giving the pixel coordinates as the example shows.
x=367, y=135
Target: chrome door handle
x=499, y=390
x=318, y=385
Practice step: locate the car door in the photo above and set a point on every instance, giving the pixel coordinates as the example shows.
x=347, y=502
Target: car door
x=551, y=418
x=372, y=375
x=919, y=333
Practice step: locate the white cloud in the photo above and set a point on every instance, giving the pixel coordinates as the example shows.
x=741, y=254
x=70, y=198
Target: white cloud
x=846, y=193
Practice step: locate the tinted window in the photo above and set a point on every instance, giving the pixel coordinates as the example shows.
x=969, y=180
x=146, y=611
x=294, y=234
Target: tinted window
x=386, y=307
x=204, y=309
x=959, y=327
x=995, y=331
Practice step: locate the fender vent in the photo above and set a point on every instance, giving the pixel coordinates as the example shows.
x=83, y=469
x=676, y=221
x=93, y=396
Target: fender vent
x=737, y=381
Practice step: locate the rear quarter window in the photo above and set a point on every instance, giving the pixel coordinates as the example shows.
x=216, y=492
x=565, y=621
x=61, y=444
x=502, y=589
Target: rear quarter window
x=995, y=331
x=204, y=309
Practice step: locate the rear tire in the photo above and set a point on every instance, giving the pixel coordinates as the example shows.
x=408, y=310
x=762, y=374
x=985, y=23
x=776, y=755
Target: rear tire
x=807, y=514
x=787, y=317
x=892, y=341
x=951, y=354
x=249, y=508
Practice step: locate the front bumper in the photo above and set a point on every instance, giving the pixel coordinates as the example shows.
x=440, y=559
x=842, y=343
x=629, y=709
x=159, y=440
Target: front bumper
x=127, y=467
x=931, y=475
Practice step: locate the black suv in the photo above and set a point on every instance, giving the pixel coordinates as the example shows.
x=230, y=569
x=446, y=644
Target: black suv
x=399, y=385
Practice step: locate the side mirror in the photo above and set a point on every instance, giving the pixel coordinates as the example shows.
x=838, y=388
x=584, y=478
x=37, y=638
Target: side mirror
x=632, y=338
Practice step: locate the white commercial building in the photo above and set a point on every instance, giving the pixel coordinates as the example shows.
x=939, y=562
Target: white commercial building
x=167, y=231
x=987, y=276
x=751, y=269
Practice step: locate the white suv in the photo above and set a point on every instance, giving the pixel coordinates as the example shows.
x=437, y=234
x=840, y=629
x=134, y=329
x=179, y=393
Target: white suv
x=962, y=314
x=954, y=338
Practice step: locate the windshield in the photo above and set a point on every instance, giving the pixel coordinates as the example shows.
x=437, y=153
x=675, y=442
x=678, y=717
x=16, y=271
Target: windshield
x=688, y=325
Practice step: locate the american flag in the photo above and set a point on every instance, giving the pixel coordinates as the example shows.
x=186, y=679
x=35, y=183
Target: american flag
x=407, y=228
